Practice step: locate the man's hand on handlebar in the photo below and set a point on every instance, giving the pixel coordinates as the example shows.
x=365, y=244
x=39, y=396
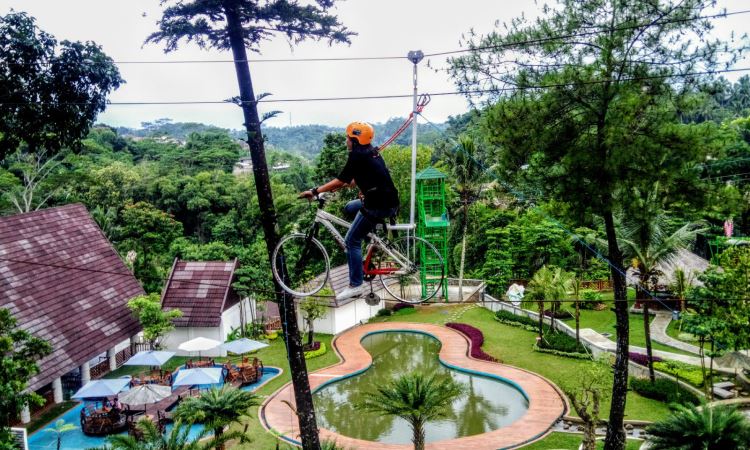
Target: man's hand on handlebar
x=306, y=194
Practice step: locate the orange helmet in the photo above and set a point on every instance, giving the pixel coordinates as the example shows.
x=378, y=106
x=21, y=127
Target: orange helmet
x=364, y=132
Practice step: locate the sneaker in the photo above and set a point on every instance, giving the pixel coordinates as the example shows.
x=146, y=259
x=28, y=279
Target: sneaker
x=350, y=292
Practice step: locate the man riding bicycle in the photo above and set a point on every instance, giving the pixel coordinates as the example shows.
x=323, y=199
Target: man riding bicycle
x=366, y=168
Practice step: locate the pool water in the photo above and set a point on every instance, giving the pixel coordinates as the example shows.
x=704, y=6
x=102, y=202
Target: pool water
x=488, y=404
x=42, y=440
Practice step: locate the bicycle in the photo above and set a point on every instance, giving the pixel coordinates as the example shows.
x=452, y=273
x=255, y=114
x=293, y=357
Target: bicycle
x=409, y=268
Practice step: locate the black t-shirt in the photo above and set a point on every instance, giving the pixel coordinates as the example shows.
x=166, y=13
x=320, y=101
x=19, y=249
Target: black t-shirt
x=367, y=168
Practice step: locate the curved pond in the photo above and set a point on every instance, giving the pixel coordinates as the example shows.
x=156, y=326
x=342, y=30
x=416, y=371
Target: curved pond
x=489, y=403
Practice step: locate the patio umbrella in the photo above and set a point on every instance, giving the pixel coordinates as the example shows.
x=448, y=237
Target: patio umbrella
x=198, y=344
x=145, y=394
x=242, y=346
x=190, y=377
x=149, y=358
x=102, y=388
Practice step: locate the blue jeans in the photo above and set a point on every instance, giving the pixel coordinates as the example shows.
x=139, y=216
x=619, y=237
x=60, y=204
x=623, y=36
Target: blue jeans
x=361, y=226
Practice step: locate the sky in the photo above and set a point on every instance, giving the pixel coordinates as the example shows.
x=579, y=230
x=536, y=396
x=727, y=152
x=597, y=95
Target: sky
x=384, y=27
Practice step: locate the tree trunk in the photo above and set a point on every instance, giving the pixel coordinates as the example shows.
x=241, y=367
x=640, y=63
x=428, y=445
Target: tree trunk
x=589, y=435
x=218, y=432
x=461, y=268
x=418, y=435
x=578, y=321
x=710, y=380
x=615, y=427
x=647, y=334
x=300, y=382
x=702, y=354
x=309, y=333
x=541, y=318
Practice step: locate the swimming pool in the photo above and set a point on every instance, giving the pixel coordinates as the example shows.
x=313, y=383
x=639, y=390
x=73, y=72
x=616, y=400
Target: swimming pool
x=76, y=440
x=489, y=403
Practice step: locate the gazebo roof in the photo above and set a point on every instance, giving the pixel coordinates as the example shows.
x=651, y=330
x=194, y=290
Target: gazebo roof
x=430, y=173
x=64, y=283
x=202, y=290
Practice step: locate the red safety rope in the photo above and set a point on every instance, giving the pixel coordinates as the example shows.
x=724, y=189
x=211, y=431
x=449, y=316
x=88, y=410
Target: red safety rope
x=422, y=101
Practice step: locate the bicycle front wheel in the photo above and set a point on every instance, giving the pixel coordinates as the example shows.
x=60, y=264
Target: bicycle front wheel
x=411, y=269
x=300, y=265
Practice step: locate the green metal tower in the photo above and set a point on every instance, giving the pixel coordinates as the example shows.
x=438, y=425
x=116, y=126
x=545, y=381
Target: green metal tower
x=432, y=225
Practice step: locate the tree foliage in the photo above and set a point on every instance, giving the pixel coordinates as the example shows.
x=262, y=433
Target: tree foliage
x=50, y=91
x=704, y=427
x=21, y=352
x=155, y=321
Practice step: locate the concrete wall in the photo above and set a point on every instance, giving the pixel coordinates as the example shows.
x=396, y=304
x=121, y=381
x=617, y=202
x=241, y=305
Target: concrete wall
x=344, y=317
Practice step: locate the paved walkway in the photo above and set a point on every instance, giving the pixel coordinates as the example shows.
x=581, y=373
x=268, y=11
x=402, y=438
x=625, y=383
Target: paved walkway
x=546, y=405
x=593, y=337
x=659, y=333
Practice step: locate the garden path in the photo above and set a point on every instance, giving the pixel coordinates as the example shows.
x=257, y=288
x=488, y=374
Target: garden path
x=659, y=333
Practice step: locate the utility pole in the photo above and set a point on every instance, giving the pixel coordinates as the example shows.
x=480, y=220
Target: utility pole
x=415, y=56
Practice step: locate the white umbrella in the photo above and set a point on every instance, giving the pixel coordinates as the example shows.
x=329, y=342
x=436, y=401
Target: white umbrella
x=241, y=346
x=145, y=394
x=102, y=388
x=198, y=344
x=190, y=377
x=149, y=358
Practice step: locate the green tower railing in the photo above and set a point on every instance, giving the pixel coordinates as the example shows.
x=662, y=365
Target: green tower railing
x=432, y=225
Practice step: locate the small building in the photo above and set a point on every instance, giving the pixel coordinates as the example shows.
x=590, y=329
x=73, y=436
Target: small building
x=341, y=315
x=210, y=306
x=65, y=283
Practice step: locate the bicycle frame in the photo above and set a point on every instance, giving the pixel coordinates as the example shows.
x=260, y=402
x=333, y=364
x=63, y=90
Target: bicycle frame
x=328, y=221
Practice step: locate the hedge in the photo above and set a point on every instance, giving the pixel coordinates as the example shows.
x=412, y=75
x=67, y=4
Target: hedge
x=315, y=353
x=477, y=339
x=663, y=390
x=401, y=305
x=685, y=372
x=561, y=342
x=559, y=353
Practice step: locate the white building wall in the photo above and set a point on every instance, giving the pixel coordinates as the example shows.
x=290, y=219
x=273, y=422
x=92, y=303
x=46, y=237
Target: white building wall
x=344, y=317
x=230, y=319
x=180, y=335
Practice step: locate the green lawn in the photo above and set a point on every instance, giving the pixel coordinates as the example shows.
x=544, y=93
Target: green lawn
x=604, y=322
x=570, y=441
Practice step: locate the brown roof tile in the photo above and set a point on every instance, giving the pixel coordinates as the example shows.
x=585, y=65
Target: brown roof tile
x=63, y=282
x=202, y=290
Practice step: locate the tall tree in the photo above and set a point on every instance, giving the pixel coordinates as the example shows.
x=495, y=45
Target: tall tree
x=237, y=25
x=155, y=321
x=50, y=92
x=586, y=393
x=20, y=351
x=587, y=108
x=415, y=398
x=645, y=238
x=466, y=174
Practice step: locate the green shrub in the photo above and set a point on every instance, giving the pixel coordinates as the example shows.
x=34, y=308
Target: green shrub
x=590, y=299
x=405, y=311
x=663, y=390
x=272, y=335
x=562, y=343
x=315, y=353
x=510, y=317
x=563, y=354
x=385, y=312
x=683, y=371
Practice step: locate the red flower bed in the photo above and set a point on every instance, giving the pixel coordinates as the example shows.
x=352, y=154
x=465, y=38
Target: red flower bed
x=477, y=339
x=401, y=305
x=640, y=358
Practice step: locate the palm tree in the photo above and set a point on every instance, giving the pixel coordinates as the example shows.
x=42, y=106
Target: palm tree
x=177, y=439
x=552, y=285
x=415, y=398
x=217, y=408
x=59, y=429
x=643, y=238
x=701, y=428
x=466, y=175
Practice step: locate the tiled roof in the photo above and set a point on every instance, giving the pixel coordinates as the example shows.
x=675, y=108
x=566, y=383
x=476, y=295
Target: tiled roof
x=201, y=290
x=63, y=282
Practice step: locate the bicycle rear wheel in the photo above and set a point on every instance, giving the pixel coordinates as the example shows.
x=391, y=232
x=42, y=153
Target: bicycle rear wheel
x=306, y=263
x=414, y=273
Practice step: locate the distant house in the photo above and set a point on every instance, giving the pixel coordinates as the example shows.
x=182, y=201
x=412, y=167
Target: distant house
x=65, y=283
x=342, y=315
x=211, y=308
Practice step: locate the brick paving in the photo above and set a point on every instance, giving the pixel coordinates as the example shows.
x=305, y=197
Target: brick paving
x=546, y=405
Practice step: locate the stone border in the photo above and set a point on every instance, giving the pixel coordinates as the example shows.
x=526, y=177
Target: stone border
x=546, y=405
